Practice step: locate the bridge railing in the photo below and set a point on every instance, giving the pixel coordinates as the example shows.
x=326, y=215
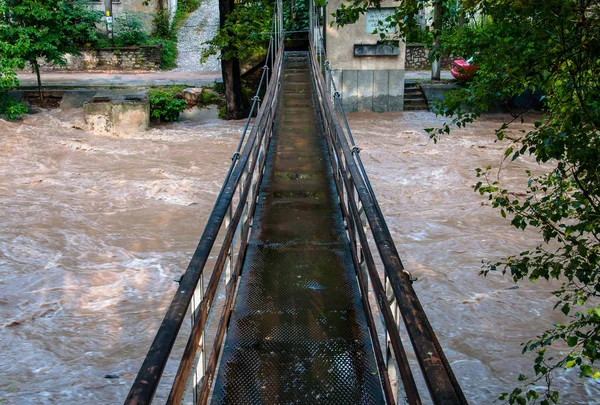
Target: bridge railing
x=223, y=244
x=392, y=287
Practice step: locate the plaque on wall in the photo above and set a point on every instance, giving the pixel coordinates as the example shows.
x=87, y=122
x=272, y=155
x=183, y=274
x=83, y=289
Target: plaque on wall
x=374, y=16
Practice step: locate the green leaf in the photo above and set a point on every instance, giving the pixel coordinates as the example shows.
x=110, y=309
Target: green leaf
x=586, y=370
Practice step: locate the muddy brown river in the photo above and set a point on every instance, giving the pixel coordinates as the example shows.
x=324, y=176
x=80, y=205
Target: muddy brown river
x=93, y=229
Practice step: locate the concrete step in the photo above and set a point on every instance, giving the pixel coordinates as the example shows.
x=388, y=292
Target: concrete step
x=417, y=107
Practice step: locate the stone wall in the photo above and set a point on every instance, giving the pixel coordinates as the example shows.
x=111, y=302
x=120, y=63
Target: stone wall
x=109, y=59
x=417, y=57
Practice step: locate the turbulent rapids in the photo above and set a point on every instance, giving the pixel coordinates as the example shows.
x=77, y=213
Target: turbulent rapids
x=94, y=229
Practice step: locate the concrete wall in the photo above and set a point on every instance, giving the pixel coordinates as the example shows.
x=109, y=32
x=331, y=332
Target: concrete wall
x=122, y=7
x=109, y=59
x=122, y=115
x=371, y=90
x=172, y=7
x=373, y=83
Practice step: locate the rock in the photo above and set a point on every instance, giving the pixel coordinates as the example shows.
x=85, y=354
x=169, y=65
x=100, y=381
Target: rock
x=193, y=94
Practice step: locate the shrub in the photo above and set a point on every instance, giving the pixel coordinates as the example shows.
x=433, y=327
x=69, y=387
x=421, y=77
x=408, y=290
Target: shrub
x=10, y=108
x=169, y=54
x=188, y=6
x=129, y=30
x=166, y=104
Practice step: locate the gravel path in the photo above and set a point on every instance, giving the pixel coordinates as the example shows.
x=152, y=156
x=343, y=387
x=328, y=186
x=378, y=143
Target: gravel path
x=201, y=26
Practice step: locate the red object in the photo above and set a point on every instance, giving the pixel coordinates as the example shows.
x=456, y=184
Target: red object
x=463, y=70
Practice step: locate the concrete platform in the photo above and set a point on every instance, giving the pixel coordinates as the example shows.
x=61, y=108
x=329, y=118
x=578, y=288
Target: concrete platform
x=62, y=80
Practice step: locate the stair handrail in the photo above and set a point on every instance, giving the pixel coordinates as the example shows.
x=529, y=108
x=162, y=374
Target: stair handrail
x=359, y=200
x=243, y=176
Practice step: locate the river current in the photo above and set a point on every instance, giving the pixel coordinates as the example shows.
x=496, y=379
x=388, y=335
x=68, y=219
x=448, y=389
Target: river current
x=93, y=229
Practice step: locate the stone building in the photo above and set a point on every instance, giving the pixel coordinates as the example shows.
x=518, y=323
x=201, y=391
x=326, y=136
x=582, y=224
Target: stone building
x=145, y=8
x=370, y=75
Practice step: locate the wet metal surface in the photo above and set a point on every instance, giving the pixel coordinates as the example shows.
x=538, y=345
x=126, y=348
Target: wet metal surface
x=298, y=333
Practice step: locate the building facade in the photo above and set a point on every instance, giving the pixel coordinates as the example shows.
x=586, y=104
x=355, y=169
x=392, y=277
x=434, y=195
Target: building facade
x=369, y=72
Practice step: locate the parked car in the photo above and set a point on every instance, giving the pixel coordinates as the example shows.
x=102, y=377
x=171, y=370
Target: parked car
x=463, y=69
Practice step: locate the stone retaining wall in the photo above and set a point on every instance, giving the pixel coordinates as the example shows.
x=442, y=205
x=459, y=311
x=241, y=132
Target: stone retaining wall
x=417, y=57
x=108, y=59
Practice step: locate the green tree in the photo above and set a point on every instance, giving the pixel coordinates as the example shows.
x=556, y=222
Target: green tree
x=51, y=28
x=241, y=33
x=10, y=59
x=550, y=48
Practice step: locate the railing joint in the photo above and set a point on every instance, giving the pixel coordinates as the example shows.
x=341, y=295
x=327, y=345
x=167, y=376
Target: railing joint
x=410, y=276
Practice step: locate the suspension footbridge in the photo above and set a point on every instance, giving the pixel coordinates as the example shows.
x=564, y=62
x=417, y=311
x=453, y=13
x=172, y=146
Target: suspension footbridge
x=317, y=307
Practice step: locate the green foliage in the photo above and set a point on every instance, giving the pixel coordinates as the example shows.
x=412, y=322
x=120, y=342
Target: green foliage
x=166, y=104
x=46, y=29
x=169, y=52
x=187, y=6
x=415, y=34
x=52, y=28
x=219, y=87
x=162, y=26
x=243, y=33
x=549, y=47
x=10, y=108
x=552, y=48
x=129, y=30
x=296, y=15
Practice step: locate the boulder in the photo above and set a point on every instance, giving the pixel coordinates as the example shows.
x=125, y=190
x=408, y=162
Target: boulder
x=193, y=94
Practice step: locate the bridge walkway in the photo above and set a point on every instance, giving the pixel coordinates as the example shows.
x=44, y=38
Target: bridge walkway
x=298, y=332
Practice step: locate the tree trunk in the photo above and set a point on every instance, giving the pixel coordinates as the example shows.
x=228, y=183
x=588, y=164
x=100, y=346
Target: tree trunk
x=437, y=31
x=232, y=79
x=36, y=69
x=230, y=69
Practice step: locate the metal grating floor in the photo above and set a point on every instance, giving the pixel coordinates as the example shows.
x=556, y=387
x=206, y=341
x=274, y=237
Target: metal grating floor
x=298, y=333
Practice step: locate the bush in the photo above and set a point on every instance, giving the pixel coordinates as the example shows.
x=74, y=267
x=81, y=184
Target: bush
x=166, y=104
x=10, y=108
x=162, y=26
x=169, y=54
x=129, y=30
x=188, y=6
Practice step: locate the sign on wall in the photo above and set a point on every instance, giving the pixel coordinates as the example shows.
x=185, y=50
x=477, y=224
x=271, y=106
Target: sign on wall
x=374, y=16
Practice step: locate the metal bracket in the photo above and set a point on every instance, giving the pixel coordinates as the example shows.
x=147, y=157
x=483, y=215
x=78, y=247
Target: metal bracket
x=410, y=276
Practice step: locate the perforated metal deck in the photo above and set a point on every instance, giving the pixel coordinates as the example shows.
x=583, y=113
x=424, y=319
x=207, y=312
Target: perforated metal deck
x=298, y=333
